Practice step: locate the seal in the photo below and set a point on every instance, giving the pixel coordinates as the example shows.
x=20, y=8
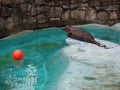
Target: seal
x=82, y=35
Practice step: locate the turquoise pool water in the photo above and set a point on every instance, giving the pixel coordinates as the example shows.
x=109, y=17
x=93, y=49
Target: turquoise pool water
x=103, y=33
x=43, y=62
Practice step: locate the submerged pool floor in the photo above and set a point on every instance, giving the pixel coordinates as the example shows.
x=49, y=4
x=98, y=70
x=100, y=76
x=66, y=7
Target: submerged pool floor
x=39, y=48
x=42, y=65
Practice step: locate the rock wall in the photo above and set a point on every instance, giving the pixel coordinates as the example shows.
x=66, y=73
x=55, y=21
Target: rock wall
x=18, y=15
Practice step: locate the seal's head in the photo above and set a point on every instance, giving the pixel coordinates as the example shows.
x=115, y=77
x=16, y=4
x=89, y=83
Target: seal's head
x=67, y=28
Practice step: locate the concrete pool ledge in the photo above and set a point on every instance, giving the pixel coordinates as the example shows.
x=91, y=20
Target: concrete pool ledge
x=115, y=27
x=91, y=67
x=20, y=33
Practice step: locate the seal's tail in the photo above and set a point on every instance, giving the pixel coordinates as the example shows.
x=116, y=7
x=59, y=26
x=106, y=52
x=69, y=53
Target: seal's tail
x=99, y=44
x=95, y=42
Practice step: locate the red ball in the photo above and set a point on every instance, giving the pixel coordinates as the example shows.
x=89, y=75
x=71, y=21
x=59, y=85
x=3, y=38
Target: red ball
x=18, y=55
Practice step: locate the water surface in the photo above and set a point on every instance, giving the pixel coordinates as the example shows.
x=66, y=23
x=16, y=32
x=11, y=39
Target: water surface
x=43, y=62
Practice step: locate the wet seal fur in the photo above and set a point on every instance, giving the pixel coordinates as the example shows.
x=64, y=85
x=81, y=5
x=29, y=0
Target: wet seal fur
x=82, y=35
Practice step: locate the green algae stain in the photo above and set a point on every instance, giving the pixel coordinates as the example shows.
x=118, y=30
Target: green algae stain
x=90, y=78
x=6, y=59
x=45, y=47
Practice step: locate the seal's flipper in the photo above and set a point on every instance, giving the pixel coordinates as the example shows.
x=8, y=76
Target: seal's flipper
x=104, y=46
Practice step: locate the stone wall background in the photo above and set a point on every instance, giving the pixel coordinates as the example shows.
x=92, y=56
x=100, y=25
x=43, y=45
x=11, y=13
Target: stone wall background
x=18, y=15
